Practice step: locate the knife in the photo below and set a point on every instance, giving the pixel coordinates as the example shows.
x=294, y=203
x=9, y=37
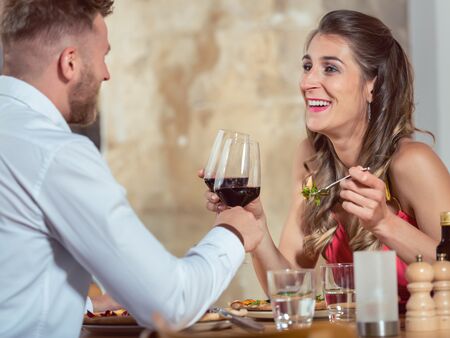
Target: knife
x=243, y=322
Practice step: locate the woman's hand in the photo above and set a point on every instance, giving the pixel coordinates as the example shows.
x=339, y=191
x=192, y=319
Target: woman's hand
x=214, y=204
x=364, y=196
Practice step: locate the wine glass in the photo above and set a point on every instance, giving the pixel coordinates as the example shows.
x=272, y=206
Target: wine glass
x=216, y=151
x=238, y=180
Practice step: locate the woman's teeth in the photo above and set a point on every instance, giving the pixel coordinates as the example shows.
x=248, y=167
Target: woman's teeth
x=318, y=103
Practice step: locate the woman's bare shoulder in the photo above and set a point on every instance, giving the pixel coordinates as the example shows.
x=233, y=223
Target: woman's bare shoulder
x=416, y=168
x=414, y=155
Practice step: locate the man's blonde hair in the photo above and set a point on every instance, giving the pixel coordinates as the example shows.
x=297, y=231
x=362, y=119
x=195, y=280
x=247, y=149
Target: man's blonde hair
x=31, y=28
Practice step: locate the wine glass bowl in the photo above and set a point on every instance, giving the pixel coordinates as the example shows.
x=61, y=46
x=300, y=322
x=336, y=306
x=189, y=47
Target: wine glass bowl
x=216, y=152
x=237, y=180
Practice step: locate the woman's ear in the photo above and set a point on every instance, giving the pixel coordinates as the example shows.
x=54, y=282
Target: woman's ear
x=369, y=89
x=68, y=63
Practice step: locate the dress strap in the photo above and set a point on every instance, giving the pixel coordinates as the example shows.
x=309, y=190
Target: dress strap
x=388, y=191
x=389, y=196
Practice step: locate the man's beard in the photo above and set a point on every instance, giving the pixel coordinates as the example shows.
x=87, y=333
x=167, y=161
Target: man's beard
x=83, y=99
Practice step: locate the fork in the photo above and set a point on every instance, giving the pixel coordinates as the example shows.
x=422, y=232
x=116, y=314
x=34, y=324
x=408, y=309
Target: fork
x=324, y=191
x=243, y=322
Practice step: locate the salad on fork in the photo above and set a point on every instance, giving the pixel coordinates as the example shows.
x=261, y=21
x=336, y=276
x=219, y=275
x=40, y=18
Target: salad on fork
x=310, y=190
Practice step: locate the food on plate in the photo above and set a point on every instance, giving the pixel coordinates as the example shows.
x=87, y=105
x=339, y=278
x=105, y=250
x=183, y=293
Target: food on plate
x=123, y=317
x=264, y=305
x=320, y=303
x=251, y=305
x=108, y=317
x=212, y=315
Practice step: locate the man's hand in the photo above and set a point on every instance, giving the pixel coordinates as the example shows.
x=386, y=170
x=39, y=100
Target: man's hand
x=104, y=302
x=245, y=224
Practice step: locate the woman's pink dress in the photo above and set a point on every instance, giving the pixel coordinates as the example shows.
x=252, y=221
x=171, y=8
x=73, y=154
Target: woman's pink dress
x=339, y=251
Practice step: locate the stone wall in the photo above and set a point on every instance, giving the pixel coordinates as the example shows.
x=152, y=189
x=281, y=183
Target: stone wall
x=183, y=69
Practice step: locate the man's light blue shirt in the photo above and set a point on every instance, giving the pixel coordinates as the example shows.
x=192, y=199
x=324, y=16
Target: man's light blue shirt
x=63, y=218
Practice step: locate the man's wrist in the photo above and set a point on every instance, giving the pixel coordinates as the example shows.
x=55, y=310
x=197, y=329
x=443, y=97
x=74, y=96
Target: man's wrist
x=233, y=230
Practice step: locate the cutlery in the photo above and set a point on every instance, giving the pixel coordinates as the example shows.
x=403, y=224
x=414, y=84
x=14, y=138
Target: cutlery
x=324, y=191
x=243, y=322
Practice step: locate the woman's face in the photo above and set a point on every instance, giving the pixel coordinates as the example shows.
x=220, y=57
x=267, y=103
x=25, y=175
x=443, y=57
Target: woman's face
x=336, y=96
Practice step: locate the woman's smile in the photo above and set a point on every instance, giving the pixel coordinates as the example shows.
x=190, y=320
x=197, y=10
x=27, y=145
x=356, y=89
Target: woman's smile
x=317, y=105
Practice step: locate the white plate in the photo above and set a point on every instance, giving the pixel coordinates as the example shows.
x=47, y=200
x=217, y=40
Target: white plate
x=269, y=315
x=209, y=326
x=114, y=330
x=321, y=314
x=260, y=314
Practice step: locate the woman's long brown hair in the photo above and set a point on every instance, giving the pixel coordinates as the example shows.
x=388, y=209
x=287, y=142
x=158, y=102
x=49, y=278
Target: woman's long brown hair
x=379, y=56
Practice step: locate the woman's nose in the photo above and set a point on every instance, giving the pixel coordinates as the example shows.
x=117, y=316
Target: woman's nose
x=309, y=80
x=106, y=76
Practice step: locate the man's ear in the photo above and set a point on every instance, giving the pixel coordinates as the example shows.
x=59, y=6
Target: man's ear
x=369, y=89
x=69, y=63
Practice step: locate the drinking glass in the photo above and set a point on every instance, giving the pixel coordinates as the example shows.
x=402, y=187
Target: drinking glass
x=237, y=180
x=376, y=285
x=292, y=296
x=339, y=291
x=215, y=153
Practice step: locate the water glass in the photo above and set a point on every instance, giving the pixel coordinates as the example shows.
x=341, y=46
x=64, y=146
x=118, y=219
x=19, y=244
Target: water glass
x=292, y=296
x=339, y=291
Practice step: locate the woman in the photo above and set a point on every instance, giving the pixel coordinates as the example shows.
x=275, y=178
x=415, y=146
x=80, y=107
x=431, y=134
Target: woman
x=358, y=89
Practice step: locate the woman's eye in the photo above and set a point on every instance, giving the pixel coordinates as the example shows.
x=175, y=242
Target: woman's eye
x=330, y=69
x=307, y=67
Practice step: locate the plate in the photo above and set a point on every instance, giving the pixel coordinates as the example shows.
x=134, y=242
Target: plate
x=209, y=326
x=260, y=314
x=113, y=330
x=268, y=314
x=321, y=314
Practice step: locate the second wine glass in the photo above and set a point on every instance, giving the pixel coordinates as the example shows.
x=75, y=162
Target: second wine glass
x=238, y=178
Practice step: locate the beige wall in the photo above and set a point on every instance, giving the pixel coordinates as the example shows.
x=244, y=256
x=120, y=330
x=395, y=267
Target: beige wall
x=183, y=69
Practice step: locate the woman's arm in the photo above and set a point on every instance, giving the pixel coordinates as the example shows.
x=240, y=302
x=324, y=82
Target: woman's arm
x=421, y=182
x=289, y=254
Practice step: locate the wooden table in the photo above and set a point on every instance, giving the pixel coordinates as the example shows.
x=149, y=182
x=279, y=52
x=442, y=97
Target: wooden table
x=271, y=326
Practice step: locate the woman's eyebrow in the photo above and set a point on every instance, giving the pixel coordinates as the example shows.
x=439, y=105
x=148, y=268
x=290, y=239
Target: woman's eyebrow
x=324, y=58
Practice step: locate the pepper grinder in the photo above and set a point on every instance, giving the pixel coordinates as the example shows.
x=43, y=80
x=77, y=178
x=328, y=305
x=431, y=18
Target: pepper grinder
x=420, y=308
x=441, y=287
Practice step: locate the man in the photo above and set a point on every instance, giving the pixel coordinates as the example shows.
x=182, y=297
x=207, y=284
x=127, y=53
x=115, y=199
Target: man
x=63, y=217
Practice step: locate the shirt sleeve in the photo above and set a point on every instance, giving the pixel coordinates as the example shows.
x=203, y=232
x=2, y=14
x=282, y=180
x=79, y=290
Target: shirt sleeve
x=88, y=213
x=89, y=306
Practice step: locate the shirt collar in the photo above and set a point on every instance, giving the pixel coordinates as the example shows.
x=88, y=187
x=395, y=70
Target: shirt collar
x=33, y=98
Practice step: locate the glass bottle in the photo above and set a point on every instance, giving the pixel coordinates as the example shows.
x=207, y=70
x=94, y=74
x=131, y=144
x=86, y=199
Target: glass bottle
x=444, y=245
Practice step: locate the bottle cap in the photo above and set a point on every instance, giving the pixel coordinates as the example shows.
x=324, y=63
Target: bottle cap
x=445, y=218
x=419, y=258
x=441, y=256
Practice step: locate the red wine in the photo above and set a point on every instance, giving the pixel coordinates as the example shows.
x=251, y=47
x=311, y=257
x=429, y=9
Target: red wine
x=210, y=183
x=227, y=182
x=444, y=245
x=238, y=196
